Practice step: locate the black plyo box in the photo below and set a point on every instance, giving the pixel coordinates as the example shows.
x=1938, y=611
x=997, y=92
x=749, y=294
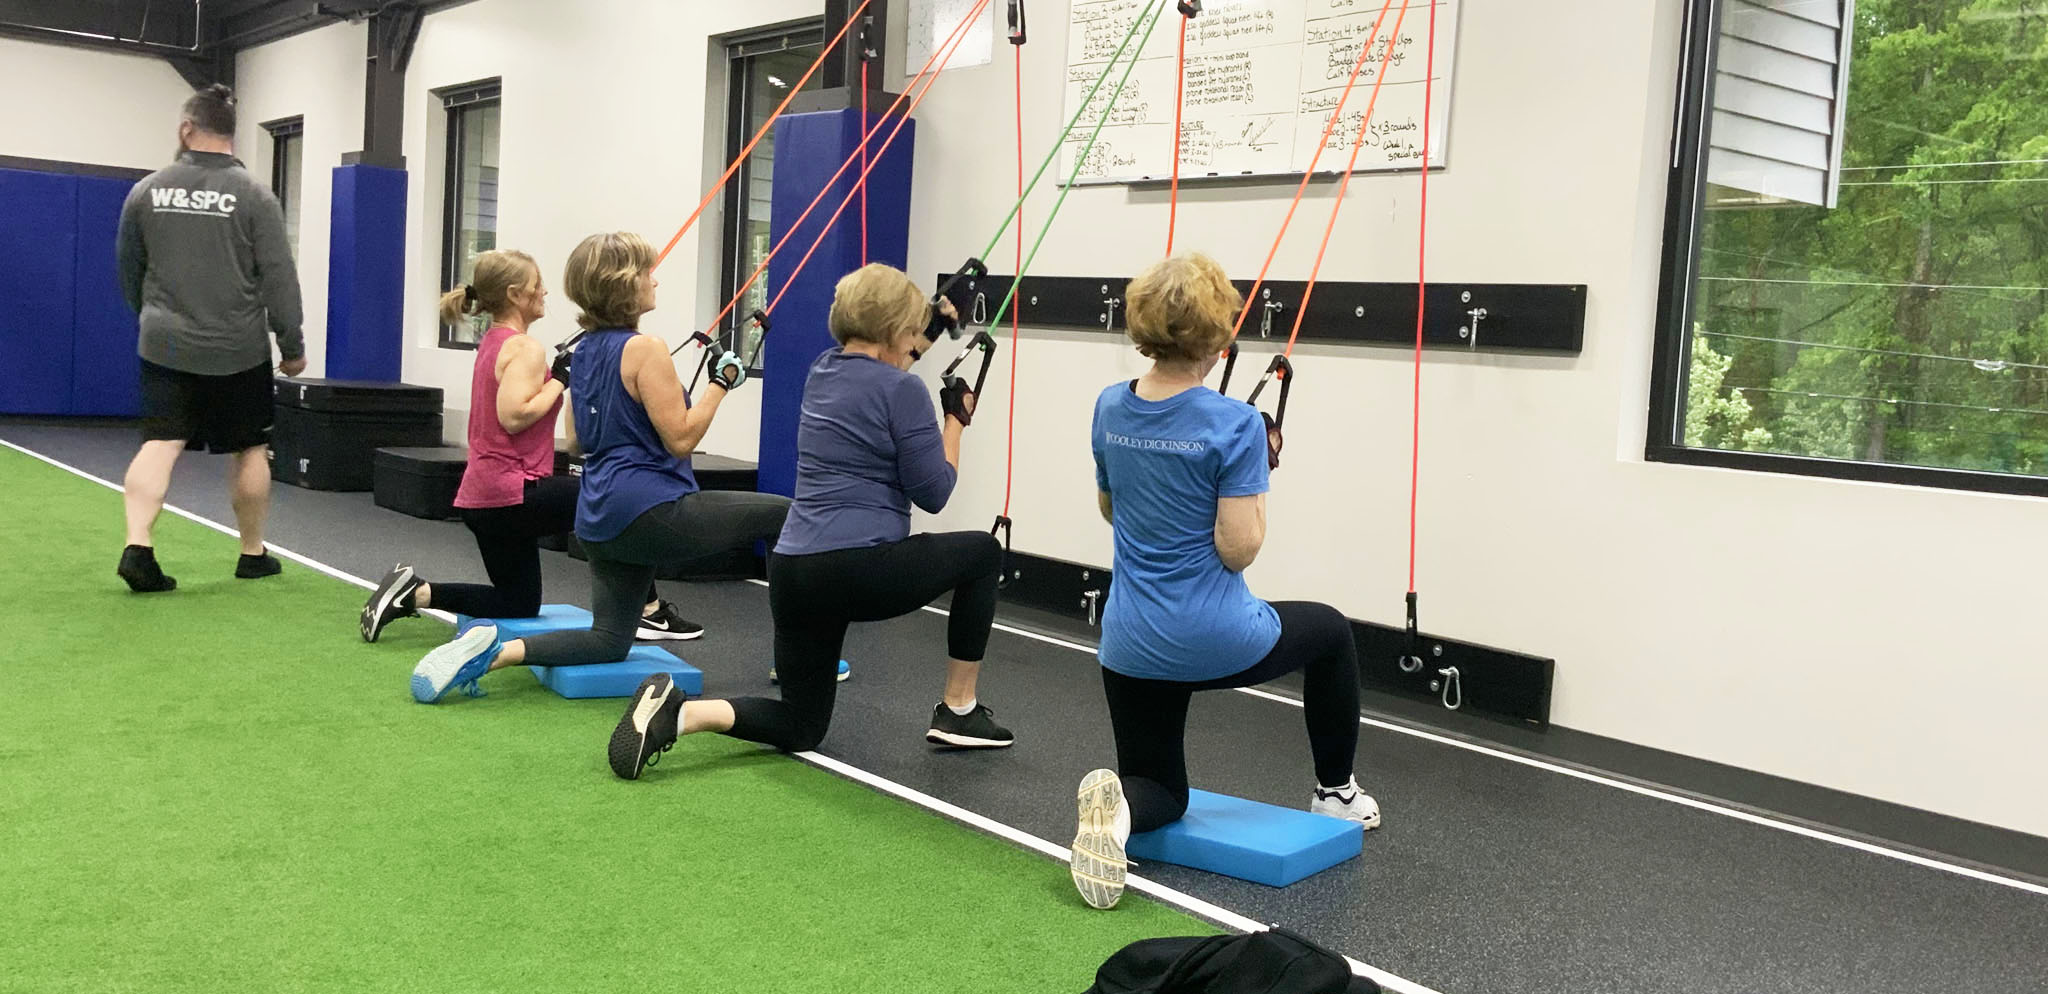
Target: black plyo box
x=327, y=432
x=420, y=482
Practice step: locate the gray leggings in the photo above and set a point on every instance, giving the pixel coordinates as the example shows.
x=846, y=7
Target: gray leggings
x=696, y=526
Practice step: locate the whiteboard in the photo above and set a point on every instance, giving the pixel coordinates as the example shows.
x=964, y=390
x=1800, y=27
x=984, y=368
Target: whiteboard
x=931, y=22
x=1262, y=77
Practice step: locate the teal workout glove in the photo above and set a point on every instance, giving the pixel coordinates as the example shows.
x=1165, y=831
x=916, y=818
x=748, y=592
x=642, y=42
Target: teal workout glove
x=729, y=370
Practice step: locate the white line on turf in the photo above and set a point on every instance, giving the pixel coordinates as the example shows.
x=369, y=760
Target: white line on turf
x=1181, y=899
x=1697, y=804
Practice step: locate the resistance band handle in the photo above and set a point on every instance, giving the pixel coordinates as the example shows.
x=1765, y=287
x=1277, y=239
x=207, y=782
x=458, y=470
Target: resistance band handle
x=983, y=343
x=1411, y=661
x=1229, y=367
x=1016, y=14
x=1285, y=370
x=941, y=324
x=696, y=337
x=1189, y=8
x=1002, y=531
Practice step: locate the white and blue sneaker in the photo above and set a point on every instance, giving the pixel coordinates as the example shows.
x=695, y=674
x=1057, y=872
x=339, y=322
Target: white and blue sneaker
x=844, y=672
x=456, y=664
x=1098, y=863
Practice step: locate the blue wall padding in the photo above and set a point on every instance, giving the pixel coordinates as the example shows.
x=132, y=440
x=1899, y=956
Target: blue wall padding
x=38, y=269
x=620, y=679
x=105, y=371
x=366, y=275
x=552, y=618
x=1248, y=840
x=813, y=147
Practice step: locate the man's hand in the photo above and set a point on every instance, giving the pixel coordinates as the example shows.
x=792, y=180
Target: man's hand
x=292, y=367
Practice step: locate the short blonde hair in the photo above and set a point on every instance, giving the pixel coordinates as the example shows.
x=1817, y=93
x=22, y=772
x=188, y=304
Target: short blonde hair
x=603, y=278
x=489, y=290
x=1182, y=307
x=877, y=303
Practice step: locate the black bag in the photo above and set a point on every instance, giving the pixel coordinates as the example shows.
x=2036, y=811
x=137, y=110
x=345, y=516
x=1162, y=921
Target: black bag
x=1272, y=962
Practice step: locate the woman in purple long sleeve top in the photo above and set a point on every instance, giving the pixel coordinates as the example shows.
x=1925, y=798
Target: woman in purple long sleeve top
x=868, y=447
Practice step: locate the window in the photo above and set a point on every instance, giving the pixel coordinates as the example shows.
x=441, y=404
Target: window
x=761, y=70
x=1856, y=249
x=287, y=168
x=469, y=220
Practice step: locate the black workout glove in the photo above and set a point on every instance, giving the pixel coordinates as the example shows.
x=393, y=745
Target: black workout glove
x=1274, y=442
x=561, y=366
x=957, y=399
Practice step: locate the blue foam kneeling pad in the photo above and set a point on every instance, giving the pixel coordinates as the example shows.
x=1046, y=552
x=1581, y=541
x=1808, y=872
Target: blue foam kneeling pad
x=622, y=678
x=1248, y=840
x=552, y=618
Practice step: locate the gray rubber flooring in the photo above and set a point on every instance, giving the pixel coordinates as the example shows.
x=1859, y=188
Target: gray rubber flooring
x=1488, y=876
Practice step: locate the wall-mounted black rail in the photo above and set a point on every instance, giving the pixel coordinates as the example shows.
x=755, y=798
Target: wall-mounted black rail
x=1539, y=318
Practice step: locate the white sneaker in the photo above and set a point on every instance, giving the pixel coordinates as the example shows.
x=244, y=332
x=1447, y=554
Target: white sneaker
x=1347, y=802
x=1098, y=862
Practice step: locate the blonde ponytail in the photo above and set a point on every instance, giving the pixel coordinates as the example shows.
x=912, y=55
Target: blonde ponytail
x=458, y=304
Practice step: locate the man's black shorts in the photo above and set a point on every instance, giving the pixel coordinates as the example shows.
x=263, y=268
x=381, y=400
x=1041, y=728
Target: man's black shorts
x=219, y=413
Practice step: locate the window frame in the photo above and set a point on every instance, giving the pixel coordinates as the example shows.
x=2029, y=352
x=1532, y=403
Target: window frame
x=456, y=102
x=282, y=131
x=1684, y=221
x=735, y=197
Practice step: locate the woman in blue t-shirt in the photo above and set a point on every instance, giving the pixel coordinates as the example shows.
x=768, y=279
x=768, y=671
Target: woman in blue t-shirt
x=638, y=507
x=868, y=447
x=1181, y=474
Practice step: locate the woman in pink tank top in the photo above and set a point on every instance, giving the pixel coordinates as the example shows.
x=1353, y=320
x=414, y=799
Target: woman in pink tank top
x=509, y=497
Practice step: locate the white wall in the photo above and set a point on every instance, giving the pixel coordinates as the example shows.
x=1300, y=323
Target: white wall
x=1863, y=637
x=318, y=76
x=73, y=105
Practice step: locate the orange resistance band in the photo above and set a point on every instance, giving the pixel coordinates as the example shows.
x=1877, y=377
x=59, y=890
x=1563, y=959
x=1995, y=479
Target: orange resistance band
x=1421, y=286
x=831, y=48
x=924, y=75
x=1016, y=313
x=1357, y=144
x=1180, y=85
x=1309, y=173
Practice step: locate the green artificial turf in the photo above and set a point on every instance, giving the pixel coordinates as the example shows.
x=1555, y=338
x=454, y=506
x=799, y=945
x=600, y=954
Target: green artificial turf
x=224, y=789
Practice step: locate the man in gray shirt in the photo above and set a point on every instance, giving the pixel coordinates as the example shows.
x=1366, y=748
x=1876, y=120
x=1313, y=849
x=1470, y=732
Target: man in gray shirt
x=203, y=259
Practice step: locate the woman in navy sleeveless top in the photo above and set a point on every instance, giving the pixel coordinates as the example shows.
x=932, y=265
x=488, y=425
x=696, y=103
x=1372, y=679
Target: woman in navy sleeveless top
x=868, y=447
x=639, y=508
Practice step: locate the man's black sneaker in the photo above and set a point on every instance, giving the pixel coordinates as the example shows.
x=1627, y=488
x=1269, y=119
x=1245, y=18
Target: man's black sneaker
x=139, y=568
x=390, y=601
x=648, y=727
x=258, y=566
x=665, y=622
x=975, y=730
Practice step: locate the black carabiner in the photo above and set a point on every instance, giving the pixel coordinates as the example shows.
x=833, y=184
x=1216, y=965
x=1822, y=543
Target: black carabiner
x=1285, y=370
x=1189, y=8
x=981, y=342
x=1016, y=22
x=1411, y=661
x=1229, y=367
x=939, y=324
x=1002, y=531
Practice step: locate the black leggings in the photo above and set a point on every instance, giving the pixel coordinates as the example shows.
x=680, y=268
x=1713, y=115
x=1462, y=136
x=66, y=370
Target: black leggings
x=508, y=539
x=1150, y=717
x=693, y=527
x=814, y=598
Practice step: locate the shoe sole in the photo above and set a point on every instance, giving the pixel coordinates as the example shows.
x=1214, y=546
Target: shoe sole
x=628, y=750
x=1098, y=864
x=437, y=670
x=373, y=620
x=657, y=635
x=939, y=737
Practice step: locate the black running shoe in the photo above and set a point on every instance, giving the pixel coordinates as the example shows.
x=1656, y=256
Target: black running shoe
x=257, y=567
x=648, y=728
x=665, y=622
x=139, y=568
x=975, y=730
x=390, y=601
